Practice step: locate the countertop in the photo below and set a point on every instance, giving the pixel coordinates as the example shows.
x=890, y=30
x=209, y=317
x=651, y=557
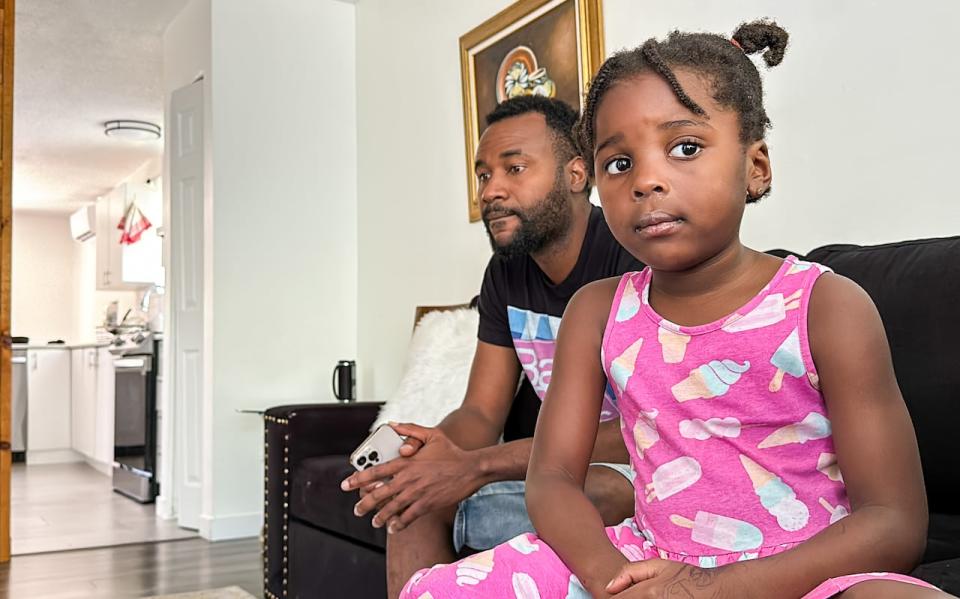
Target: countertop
x=90, y=344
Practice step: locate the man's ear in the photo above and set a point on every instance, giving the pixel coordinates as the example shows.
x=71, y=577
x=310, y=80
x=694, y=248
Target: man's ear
x=759, y=172
x=577, y=178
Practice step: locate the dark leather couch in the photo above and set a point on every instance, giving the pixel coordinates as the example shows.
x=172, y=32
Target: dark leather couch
x=316, y=548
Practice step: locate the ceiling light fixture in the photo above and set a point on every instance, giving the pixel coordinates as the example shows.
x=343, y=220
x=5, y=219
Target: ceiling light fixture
x=132, y=130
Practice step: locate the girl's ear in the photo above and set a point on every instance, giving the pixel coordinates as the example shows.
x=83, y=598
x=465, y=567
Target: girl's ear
x=759, y=173
x=576, y=170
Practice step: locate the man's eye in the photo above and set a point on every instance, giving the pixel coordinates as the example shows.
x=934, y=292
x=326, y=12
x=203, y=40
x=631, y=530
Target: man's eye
x=686, y=149
x=517, y=169
x=482, y=177
x=617, y=166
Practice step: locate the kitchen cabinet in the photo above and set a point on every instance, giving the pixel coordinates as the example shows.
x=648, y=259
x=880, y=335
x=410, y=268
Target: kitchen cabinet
x=49, y=411
x=92, y=398
x=125, y=267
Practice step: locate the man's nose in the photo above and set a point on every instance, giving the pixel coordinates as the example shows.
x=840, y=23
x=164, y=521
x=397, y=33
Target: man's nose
x=492, y=190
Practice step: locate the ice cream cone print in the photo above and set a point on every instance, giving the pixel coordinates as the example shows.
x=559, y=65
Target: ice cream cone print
x=524, y=586
x=827, y=464
x=798, y=267
x=709, y=380
x=629, y=302
x=776, y=496
x=771, y=310
x=523, y=544
x=673, y=344
x=645, y=433
x=474, y=569
x=836, y=513
x=721, y=532
x=622, y=367
x=426, y=595
x=672, y=477
x=787, y=359
x=813, y=426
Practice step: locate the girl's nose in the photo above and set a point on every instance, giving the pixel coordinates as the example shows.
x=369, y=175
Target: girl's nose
x=648, y=184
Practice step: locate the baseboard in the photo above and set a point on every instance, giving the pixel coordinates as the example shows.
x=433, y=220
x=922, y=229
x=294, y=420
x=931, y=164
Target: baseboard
x=52, y=456
x=165, y=509
x=101, y=467
x=237, y=526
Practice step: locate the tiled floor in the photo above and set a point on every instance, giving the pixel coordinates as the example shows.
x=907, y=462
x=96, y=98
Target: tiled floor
x=72, y=506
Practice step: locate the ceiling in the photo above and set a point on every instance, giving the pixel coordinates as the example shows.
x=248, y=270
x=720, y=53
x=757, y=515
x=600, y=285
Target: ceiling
x=79, y=63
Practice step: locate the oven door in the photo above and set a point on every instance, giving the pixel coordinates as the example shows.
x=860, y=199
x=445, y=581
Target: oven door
x=134, y=444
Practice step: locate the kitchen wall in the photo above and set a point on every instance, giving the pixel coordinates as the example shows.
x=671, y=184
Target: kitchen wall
x=54, y=292
x=851, y=162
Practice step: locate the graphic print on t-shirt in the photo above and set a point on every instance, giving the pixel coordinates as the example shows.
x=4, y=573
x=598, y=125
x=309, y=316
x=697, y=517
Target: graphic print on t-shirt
x=535, y=339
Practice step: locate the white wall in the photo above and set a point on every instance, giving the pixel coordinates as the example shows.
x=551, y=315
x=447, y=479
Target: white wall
x=284, y=227
x=416, y=246
x=54, y=292
x=852, y=161
x=42, y=277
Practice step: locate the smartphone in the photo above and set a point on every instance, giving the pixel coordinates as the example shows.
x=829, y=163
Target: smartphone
x=380, y=447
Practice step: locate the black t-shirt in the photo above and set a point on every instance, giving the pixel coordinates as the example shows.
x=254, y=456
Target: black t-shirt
x=520, y=308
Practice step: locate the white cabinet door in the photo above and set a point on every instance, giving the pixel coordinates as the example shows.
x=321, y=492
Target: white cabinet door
x=103, y=442
x=48, y=402
x=83, y=398
x=142, y=262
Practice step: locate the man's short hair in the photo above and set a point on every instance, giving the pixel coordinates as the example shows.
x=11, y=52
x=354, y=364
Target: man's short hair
x=559, y=115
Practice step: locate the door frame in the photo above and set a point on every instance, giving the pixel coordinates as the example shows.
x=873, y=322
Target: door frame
x=6, y=218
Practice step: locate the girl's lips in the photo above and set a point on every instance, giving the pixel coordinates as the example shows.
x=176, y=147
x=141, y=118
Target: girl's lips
x=658, y=224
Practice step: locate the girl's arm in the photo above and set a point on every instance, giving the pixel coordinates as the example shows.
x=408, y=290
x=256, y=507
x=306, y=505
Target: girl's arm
x=876, y=450
x=564, y=439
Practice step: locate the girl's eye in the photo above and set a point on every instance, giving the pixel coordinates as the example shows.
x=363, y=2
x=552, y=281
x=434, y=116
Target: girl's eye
x=686, y=149
x=617, y=166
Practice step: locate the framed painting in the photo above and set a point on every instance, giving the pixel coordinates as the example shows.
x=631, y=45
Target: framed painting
x=533, y=47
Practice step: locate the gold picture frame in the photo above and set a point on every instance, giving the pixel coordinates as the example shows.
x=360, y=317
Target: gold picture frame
x=547, y=47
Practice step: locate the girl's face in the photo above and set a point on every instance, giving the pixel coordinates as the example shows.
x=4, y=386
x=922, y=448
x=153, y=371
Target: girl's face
x=673, y=183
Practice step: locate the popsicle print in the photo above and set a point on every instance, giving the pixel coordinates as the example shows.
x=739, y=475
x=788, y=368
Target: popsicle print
x=787, y=359
x=721, y=532
x=629, y=302
x=673, y=343
x=622, y=367
x=776, y=496
x=813, y=426
x=522, y=544
x=836, y=513
x=709, y=380
x=771, y=310
x=524, y=586
x=713, y=427
x=672, y=477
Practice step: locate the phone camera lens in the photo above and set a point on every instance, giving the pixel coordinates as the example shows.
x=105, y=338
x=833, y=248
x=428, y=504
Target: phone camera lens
x=362, y=460
x=370, y=465
x=374, y=456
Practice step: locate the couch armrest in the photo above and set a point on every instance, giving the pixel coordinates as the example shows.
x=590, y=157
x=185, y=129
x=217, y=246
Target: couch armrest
x=293, y=433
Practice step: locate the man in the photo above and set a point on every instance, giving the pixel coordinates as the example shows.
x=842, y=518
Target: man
x=548, y=241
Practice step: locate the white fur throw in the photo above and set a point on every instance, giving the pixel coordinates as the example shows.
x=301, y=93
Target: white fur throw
x=436, y=371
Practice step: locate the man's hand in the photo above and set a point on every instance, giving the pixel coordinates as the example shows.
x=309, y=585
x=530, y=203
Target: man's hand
x=432, y=473
x=662, y=578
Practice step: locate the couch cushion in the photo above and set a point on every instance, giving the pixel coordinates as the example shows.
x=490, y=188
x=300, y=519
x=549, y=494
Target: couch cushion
x=316, y=499
x=916, y=287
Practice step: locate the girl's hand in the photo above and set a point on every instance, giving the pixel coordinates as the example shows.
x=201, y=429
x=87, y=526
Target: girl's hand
x=662, y=578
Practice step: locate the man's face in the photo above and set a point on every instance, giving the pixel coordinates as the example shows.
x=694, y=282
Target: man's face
x=523, y=191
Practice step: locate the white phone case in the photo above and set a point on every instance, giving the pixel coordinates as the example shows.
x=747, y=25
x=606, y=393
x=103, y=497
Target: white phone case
x=380, y=447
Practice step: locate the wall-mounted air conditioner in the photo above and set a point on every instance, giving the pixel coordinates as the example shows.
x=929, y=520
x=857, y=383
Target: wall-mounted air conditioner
x=83, y=223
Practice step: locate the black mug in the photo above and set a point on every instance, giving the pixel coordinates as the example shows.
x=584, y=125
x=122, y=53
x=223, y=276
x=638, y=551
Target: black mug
x=345, y=380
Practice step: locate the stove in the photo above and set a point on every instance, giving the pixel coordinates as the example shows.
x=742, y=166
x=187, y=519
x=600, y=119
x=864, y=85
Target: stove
x=135, y=414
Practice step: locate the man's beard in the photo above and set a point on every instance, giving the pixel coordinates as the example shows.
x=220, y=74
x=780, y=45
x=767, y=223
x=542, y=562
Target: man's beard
x=548, y=221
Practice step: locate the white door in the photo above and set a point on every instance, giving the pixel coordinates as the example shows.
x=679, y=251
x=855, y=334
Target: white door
x=186, y=288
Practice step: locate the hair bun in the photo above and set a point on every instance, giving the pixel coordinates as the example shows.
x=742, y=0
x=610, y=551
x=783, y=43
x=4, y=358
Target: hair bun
x=763, y=34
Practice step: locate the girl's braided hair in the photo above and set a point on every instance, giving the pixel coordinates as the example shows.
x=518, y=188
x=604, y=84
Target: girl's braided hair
x=733, y=76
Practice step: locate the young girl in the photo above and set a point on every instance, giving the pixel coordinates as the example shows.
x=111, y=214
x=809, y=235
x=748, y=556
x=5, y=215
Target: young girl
x=746, y=383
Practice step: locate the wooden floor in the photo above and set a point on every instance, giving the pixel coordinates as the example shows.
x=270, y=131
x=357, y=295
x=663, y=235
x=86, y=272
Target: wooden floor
x=72, y=506
x=134, y=571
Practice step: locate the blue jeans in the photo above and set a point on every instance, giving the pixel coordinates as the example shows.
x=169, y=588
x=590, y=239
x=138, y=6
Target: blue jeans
x=498, y=512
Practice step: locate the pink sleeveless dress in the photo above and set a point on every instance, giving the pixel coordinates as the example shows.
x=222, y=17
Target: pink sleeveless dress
x=727, y=431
